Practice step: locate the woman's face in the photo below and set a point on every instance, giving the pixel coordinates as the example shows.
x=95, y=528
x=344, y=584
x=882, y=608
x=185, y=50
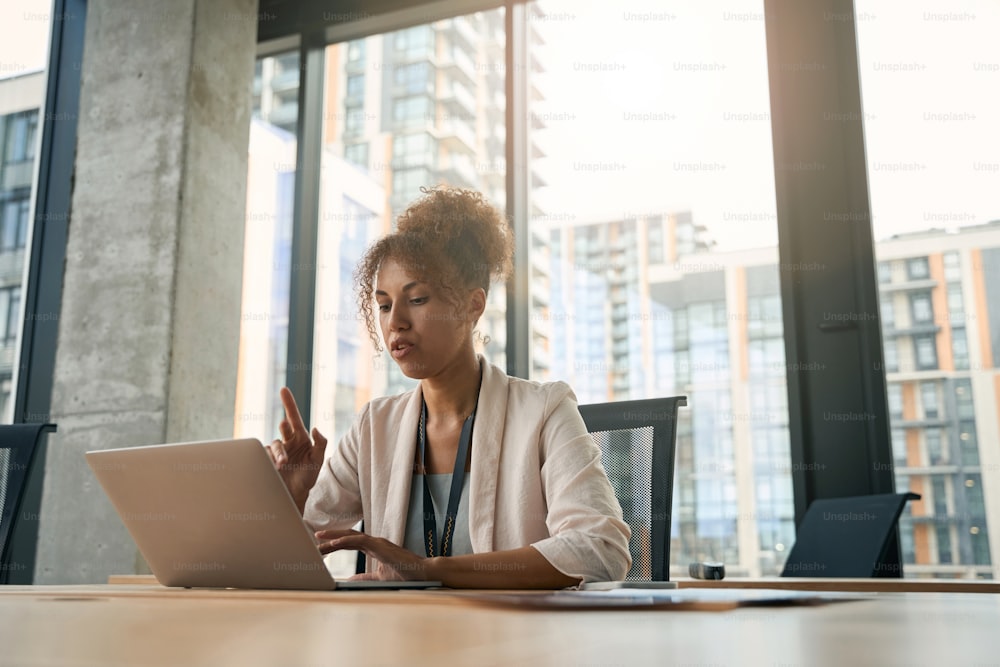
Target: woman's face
x=423, y=331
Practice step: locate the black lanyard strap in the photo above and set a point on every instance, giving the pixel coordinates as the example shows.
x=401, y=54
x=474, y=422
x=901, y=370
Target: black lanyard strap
x=457, y=482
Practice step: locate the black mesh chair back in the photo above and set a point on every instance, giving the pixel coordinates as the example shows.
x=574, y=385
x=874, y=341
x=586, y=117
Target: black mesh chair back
x=17, y=449
x=638, y=440
x=846, y=537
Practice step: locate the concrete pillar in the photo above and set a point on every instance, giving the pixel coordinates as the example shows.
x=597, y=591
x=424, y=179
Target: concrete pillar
x=149, y=328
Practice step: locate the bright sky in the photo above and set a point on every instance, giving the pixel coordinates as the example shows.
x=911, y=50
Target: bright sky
x=697, y=70
x=657, y=106
x=24, y=36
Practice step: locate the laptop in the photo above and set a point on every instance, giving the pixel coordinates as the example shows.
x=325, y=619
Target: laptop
x=216, y=514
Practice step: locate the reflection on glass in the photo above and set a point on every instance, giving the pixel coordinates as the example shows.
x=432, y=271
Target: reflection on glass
x=406, y=110
x=20, y=101
x=933, y=164
x=653, y=232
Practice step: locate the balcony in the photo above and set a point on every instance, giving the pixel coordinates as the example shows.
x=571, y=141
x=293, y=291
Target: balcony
x=540, y=297
x=285, y=81
x=285, y=115
x=456, y=136
x=17, y=174
x=11, y=267
x=914, y=329
x=921, y=422
x=459, y=64
x=7, y=357
x=470, y=33
x=540, y=358
x=458, y=172
x=409, y=88
x=907, y=285
x=413, y=161
x=459, y=102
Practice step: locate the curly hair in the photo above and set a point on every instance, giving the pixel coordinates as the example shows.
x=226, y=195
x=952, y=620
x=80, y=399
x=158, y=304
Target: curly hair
x=450, y=238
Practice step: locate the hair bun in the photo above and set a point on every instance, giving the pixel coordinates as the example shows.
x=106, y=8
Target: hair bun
x=471, y=232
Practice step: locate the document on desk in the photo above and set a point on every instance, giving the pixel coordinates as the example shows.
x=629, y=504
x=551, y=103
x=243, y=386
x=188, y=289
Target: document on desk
x=686, y=599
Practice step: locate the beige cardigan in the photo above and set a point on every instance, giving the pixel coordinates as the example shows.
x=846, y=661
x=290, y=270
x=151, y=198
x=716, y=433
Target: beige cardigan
x=536, y=477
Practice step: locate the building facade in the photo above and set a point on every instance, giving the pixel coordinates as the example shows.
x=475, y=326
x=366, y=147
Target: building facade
x=644, y=308
x=402, y=110
x=20, y=101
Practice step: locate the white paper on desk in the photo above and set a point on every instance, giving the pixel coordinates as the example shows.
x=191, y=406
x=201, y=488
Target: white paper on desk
x=693, y=599
x=741, y=596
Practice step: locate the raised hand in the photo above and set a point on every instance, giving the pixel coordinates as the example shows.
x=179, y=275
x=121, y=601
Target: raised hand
x=296, y=455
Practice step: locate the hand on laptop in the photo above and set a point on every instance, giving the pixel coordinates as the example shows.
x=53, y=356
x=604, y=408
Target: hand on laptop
x=297, y=456
x=393, y=562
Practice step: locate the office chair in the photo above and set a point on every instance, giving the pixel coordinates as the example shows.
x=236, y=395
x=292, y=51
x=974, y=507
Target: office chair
x=847, y=537
x=17, y=449
x=638, y=440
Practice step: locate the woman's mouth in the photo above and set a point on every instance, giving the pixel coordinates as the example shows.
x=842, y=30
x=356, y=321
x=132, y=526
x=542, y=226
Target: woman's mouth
x=400, y=350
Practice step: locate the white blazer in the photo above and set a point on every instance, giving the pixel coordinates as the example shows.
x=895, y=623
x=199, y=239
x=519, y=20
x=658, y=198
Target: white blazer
x=536, y=477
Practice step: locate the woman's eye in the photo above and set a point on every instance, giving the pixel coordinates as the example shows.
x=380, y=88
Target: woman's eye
x=383, y=308
x=420, y=300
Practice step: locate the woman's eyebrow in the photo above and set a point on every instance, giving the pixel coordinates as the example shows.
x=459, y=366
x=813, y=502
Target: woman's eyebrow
x=407, y=287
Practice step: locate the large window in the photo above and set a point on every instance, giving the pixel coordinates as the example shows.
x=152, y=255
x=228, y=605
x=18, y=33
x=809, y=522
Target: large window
x=650, y=224
x=23, y=32
x=644, y=281
x=395, y=120
x=418, y=135
x=933, y=161
x=267, y=249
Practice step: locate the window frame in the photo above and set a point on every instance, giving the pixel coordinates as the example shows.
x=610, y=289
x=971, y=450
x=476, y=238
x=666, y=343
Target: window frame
x=795, y=32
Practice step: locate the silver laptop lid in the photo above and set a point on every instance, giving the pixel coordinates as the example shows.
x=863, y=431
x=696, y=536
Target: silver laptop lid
x=211, y=514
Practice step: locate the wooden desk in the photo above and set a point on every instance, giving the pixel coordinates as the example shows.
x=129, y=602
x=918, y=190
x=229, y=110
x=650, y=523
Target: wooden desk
x=149, y=625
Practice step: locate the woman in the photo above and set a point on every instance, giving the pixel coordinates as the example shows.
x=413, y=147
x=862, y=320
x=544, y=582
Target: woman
x=535, y=509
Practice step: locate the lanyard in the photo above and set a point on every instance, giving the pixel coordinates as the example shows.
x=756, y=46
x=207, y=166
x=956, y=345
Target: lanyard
x=457, y=481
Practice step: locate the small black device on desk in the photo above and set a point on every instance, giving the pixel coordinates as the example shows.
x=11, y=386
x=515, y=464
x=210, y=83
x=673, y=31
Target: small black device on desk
x=707, y=570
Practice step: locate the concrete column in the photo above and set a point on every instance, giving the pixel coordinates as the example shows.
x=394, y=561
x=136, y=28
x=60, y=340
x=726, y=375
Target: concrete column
x=149, y=328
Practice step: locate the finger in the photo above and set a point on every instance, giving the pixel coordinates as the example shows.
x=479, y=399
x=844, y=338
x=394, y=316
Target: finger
x=335, y=534
x=358, y=542
x=285, y=429
x=365, y=576
x=342, y=543
x=278, y=454
x=320, y=441
x=291, y=410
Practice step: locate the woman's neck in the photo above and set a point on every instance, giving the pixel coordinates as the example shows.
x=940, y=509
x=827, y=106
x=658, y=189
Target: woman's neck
x=453, y=393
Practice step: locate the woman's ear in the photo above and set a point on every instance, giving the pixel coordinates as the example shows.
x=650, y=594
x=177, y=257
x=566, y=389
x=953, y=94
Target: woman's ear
x=477, y=304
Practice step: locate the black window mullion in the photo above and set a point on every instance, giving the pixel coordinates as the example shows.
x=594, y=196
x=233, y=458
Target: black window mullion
x=838, y=416
x=305, y=217
x=518, y=182
x=42, y=292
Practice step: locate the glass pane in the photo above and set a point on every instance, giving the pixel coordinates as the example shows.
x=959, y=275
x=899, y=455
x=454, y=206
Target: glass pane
x=425, y=114
x=645, y=281
x=24, y=38
x=933, y=165
x=267, y=247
